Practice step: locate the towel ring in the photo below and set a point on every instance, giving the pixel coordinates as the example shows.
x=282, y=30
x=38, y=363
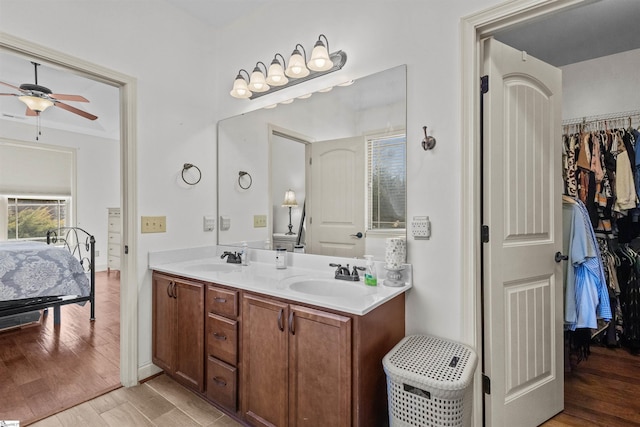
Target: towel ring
x=240, y=175
x=194, y=178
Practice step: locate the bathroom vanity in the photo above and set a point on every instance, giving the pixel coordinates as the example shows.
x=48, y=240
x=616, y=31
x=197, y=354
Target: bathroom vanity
x=276, y=347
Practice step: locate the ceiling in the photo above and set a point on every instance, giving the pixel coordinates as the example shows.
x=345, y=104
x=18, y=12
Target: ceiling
x=103, y=99
x=600, y=28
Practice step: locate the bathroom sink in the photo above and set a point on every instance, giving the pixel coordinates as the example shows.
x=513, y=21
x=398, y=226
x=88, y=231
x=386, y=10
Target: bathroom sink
x=212, y=267
x=330, y=288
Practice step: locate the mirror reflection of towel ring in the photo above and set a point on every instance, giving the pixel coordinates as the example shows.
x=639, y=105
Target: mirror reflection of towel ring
x=192, y=177
x=240, y=175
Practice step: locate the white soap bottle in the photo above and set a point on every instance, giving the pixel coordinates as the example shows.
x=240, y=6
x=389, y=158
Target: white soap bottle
x=244, y=255
x=370, y=277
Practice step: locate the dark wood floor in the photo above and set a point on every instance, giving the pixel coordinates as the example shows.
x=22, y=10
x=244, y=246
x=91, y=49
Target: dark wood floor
x=45, y=369
x=602, y=391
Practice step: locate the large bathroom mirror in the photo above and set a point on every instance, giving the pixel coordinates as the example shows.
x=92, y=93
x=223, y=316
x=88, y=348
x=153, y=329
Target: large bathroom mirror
x=324, y=175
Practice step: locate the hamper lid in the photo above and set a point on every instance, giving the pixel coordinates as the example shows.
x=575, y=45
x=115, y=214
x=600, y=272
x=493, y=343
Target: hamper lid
x=432, y=360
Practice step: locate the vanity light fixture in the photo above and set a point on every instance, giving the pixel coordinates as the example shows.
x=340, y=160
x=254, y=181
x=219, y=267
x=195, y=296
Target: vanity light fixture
x=280, y=75
x=297, y=67
x=258, y=83
x=290, y=202
x=275, y=75
x=320, y=60
x=240, y=88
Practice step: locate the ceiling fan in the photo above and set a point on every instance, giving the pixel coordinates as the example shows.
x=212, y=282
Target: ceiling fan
x=39, y=98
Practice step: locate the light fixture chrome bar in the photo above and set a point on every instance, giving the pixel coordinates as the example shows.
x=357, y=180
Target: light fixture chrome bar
x=338, y=58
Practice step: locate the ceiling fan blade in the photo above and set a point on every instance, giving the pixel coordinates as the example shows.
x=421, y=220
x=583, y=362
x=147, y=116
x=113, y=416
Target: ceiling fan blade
x=75, y=110
x=61, y=97
x=30, y=112
x=11, y=86
x=9, y=94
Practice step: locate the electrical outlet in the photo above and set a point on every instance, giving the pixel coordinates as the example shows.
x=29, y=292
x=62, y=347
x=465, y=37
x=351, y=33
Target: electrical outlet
x=421, y=227
x=97, y=253
x=259, y=221
x=153, y=224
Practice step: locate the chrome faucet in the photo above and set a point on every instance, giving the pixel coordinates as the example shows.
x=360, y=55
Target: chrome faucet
x=342, y=273
x=232, y=257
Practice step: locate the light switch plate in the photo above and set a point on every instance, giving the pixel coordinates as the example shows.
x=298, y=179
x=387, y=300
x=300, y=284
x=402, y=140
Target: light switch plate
x=259, y=221
x=225, y=223
x=153, y=224
x=209, y=223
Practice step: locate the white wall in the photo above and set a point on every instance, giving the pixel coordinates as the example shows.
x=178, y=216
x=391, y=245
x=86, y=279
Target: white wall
x=174, y=58
x=98, y=176
x=602, y=86
x=376, y=36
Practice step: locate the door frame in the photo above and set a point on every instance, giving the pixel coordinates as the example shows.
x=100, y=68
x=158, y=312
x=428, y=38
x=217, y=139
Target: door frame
x=473, y=28
x=128, y=185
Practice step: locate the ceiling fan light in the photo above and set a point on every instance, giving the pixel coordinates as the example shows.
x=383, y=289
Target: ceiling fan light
x=296, y=68
x=275, y=75
x=257, y=83
x=240, y=88
x=36, y=103
x=320, y=60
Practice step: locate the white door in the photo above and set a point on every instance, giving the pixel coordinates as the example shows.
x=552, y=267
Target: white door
x=523, y=291
x=335, y=200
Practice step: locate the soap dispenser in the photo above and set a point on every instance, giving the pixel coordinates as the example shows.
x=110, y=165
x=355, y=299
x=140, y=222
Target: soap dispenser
x=370, y=277
x=244, y=255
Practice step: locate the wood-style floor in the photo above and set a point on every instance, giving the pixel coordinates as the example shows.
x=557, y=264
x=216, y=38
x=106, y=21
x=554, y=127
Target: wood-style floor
x=45, y=368
x=602, y=391
x=158, y=402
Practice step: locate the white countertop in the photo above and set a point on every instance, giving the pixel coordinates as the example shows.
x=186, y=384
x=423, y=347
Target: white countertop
x=263, y=277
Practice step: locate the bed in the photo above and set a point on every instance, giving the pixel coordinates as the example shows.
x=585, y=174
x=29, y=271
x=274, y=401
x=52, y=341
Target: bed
x=37, y=276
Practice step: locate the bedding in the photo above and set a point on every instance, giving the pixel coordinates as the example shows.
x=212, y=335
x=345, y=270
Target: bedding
x=32, y=269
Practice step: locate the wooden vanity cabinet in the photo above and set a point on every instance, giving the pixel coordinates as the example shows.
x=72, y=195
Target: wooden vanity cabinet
x=306, y=366
x=178, y=329
x=222, y=346
x=274, y=362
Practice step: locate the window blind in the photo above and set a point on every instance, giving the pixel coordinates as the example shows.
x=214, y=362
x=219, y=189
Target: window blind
x=36, y=169
x=386, y=170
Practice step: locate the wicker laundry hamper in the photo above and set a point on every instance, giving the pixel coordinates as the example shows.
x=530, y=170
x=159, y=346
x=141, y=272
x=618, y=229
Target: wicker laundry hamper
x=429, y=382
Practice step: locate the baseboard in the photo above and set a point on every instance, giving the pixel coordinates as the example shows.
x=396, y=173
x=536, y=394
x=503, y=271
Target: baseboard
x=147, y=371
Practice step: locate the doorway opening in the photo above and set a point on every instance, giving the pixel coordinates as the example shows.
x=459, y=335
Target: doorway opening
x=475, y=28
x=127, y=103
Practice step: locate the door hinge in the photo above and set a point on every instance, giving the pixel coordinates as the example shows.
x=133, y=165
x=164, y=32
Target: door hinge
x=126, y=249
x=484, y=84
x=486, y=384
x=484, y=234
x=310, y=161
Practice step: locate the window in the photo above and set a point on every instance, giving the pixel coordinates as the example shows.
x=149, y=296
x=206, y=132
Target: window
x=386, y=177
x=30, y=218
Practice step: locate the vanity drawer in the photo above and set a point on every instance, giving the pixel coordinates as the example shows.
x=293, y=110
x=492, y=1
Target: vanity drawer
x=222, y=301
x=222, y=383
x=222, y=338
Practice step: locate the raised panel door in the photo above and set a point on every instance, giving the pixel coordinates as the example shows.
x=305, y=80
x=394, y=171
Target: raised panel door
x=319, y=368
x=163, y=322
x=264, y=361
x=189, y=338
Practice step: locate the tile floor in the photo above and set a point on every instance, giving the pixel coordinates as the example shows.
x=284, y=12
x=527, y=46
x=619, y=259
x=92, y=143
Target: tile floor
x=157, y=402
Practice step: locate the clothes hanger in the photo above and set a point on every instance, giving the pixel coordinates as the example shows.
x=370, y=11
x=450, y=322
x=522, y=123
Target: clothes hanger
x=569, y=199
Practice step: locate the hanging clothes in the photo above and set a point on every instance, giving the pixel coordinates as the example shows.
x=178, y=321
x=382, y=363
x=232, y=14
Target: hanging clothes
x=586, y=294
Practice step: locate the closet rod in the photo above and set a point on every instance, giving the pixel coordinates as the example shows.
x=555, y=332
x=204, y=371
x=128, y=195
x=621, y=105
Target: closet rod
x=599, y=118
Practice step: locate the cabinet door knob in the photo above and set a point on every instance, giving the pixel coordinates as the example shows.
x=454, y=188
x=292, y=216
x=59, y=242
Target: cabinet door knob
x=169, y=289
x=292, y=326
x=280, y=325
